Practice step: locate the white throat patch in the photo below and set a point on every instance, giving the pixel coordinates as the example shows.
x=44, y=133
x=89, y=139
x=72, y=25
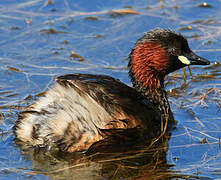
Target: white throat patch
x=184, y=60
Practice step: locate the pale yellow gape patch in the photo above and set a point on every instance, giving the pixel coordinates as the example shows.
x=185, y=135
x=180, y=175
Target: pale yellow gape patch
x=184, y=60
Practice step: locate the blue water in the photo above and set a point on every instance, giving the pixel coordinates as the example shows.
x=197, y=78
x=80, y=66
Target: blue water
x=31, y=57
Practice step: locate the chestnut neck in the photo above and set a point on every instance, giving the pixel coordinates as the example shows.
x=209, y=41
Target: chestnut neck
x=147, y=69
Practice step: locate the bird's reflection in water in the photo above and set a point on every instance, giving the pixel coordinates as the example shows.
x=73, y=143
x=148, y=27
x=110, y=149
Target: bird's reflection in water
x=105, y=160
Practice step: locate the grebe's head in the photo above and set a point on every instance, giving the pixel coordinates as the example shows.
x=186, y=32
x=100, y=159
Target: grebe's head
x=158, y=53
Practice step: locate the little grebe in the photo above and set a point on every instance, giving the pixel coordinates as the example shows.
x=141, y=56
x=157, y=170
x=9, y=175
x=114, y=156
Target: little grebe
x=81, y=109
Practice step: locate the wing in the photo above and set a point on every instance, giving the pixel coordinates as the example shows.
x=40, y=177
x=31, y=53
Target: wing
x=128, y=108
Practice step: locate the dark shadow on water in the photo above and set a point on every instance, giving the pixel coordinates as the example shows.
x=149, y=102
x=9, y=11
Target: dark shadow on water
x=107, y=161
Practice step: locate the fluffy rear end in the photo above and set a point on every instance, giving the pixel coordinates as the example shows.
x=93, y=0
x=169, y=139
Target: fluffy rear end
x=64, y=116
x=35, y=126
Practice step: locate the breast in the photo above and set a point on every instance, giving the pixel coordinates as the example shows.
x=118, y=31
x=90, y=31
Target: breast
x=78, y=109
